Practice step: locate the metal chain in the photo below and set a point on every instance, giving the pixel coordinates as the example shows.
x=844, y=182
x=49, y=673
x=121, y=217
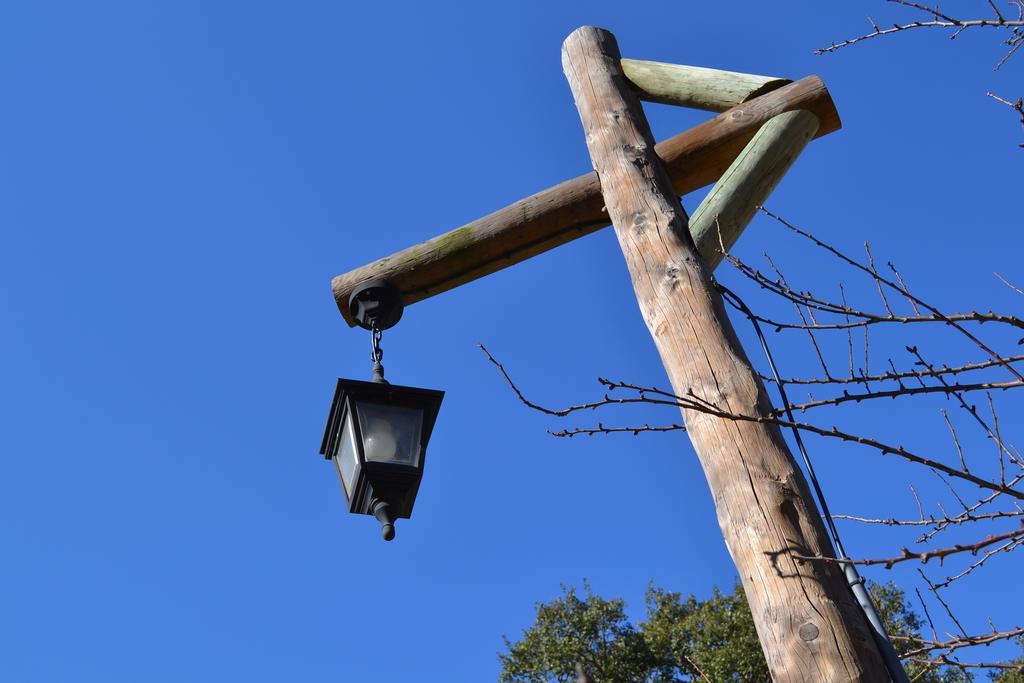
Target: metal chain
x=378, y=353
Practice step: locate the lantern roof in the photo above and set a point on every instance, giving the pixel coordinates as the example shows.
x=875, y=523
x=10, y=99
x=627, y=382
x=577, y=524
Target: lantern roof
x=429, y=400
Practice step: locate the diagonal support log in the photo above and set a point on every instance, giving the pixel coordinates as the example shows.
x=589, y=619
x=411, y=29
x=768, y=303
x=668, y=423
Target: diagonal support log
x=574, y=208
x=720, y=219
x=808, y=624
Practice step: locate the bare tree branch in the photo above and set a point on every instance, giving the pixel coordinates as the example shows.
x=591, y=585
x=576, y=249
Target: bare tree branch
x=908, y=555
x=1018, y=107
x=932, y=521
x=826, y=321
x=926, y=646
x=939, y=20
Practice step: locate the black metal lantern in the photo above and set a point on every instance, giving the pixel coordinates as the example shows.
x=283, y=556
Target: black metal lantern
x=377, y=432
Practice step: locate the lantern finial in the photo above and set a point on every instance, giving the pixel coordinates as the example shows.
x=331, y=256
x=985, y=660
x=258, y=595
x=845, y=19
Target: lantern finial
x=382, y=511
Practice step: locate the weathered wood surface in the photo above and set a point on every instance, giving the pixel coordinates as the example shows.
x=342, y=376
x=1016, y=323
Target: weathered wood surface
x=574, y=208
x=720, y=219
x=809, y=626
x=695, y=86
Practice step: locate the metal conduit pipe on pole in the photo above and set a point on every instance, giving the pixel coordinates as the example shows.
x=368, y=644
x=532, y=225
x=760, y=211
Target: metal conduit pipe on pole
x=715, y=226
x=892, y=660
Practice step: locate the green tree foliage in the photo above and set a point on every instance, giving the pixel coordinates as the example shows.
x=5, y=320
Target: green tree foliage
x=681, y=639
x=1011, y=676
x=590, y=630
x=714, y=636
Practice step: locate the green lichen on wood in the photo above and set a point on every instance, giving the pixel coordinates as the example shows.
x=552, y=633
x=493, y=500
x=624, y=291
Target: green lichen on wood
x=442, y=246
x=451, y=242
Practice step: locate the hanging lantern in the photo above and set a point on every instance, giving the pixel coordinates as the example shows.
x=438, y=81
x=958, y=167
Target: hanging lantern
x=377, y=432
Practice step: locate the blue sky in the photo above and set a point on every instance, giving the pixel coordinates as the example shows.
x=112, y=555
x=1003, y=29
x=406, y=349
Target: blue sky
x=180, y=181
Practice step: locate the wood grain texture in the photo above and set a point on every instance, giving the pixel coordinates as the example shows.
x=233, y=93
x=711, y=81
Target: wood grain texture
x=574, y=208
x=694, y=86
x=727, y=209
x=809, y=626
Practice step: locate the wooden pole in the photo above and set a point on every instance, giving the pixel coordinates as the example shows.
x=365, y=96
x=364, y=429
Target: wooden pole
x=574, y=208
x=695, y=86
x=808, y=624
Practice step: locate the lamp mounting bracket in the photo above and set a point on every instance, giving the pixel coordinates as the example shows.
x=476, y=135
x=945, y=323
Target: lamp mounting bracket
x=376, y=304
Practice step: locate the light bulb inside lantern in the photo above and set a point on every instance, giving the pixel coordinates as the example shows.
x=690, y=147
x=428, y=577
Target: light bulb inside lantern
x=379, y=442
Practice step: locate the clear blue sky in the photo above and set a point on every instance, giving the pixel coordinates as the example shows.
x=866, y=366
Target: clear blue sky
x=181, y=180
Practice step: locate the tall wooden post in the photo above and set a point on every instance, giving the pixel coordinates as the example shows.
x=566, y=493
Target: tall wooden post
x=809, y=627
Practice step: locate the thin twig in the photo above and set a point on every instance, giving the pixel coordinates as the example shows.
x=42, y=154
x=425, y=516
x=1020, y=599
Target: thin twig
x=923, y=557
x=926, y=646
x=933, y=521
x=938, y=20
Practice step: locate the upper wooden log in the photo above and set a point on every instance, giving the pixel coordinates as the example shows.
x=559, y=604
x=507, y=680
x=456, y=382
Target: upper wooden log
x=571, y=209
x=695, y=86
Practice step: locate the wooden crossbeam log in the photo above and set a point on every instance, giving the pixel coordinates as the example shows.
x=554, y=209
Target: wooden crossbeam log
x=574, y=208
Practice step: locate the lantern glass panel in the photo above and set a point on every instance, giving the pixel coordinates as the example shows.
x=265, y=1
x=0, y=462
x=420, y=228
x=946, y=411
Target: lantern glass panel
x=345, y=455
x=390, y=433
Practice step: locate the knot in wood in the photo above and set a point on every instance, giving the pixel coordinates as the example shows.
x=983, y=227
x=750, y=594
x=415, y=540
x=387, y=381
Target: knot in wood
x=738, y=114
x=640, y=221
x=674, y=274
x=808, y=632
x=783, y=488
